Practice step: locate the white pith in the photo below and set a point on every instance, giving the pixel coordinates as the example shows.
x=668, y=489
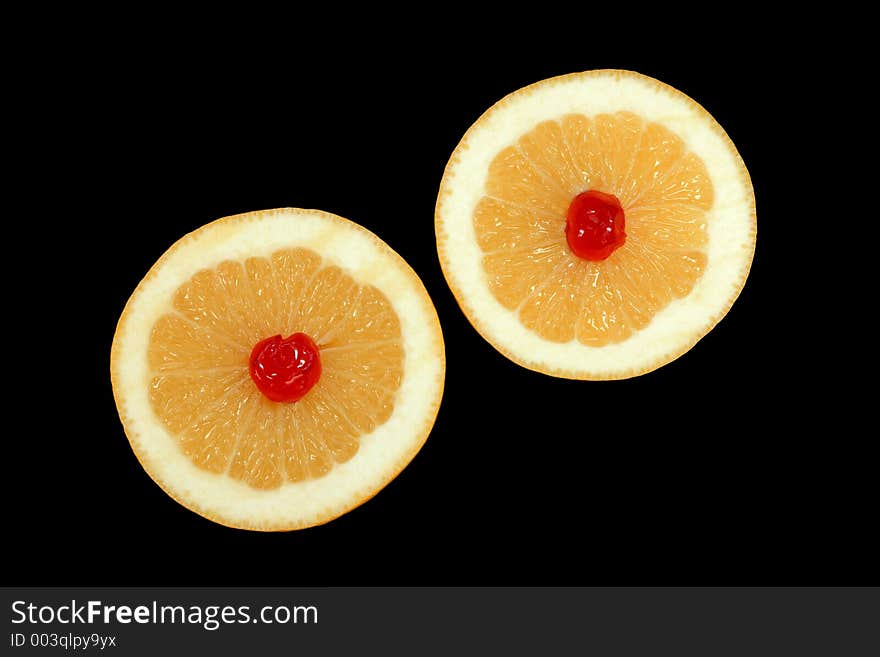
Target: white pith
x=382, y=453
x=730, y=223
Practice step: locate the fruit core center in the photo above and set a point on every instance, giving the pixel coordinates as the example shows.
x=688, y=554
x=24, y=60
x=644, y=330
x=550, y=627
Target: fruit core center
x=595, y=225
x=285, y=369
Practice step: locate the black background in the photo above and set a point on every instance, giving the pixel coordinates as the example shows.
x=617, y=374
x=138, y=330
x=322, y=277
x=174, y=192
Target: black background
x=712, y=470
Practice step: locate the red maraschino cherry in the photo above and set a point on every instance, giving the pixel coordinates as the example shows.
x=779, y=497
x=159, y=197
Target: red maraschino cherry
x=595, y=225
x=285, y=369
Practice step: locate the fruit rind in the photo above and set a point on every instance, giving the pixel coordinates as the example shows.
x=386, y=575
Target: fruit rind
x=732, y=223
x=382, y=453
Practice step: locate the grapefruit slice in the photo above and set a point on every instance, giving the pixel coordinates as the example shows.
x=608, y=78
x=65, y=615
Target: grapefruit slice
x=276, y=369
x=595, y=225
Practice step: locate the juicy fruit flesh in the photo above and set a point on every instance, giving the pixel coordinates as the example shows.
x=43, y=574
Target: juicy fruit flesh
x=202, y=391
x=285, y=369
x=520, y=222
x=595, y=226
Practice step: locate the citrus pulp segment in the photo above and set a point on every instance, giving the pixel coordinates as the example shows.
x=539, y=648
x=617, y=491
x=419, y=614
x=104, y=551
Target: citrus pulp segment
x=502, y=211
x=196, y=417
